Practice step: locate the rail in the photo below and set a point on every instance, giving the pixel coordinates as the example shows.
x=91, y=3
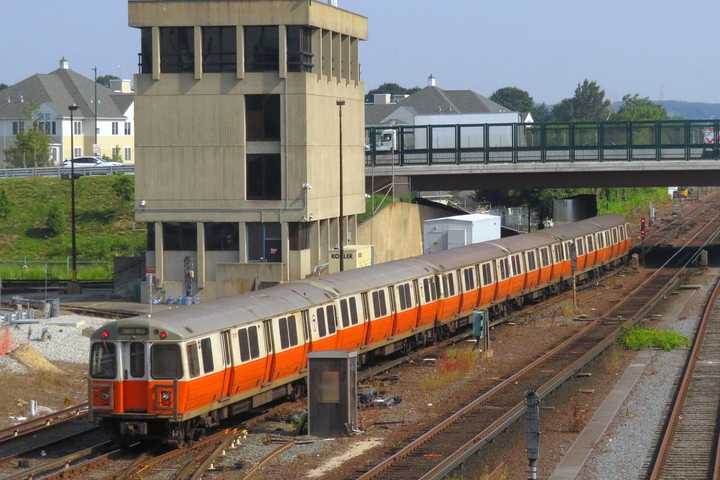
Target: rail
x=64, y=172
x=40, y=423
x=541, y=142
x=447, y=445
x=705, y=459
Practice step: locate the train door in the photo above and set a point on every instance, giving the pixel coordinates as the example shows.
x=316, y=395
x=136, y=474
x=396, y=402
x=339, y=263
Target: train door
x=393, y=310
x=307, y=333
x=228, y=363
x=134, y=373
x=269, y=349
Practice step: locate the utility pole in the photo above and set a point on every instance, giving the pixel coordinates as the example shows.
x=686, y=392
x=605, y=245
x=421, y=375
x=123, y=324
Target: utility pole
x=533, y=434
x=341, y=104
x=73, y=108
x=96, y=111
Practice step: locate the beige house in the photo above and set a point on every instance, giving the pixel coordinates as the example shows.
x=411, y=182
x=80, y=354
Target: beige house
x=238, y=139
x=43, y=99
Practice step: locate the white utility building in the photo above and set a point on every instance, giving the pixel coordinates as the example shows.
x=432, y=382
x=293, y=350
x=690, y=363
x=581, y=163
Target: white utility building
x=453, y=232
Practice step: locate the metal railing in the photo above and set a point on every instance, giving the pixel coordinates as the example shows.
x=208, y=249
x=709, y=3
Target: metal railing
x=542, y=142
x=64, y=172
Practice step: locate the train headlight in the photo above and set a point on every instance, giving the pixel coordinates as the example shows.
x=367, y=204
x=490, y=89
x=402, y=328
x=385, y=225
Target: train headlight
x=165, y=398
x=102, y=396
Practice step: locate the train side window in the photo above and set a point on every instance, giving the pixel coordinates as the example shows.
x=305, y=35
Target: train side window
x=353, y=311
x=590, y=243
x=254, y=342
x=449, y=284
x=284, y=338
x=607, y=238
x=559, y=254
x=383, y=304
x=207, y=355
x=409, y=295
x=244, y=345
x=487, y=274
x=193, y=360
x=426, y=290
x=322, y=330
x=469, y=274
x=579, y=247
x=376, y=304
x=402, y=299
x=544, y=257
x=306, y=330
x=331, y=318
x=621, y=232
x=532, y=265
x=344, y=313
x=515, y=263
x=292, y=330
x=137, y=359
x=504, y=268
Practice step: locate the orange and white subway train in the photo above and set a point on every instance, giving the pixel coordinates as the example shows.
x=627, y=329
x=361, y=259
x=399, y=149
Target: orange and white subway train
x=174, y=374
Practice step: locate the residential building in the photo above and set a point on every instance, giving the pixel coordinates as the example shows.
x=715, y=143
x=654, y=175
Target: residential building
x=43, y=99
x=435, y=106
x=238, y=139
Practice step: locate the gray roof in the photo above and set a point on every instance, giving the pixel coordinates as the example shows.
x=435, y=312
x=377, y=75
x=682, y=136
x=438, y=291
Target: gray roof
x=433, y=101
x=62, y=88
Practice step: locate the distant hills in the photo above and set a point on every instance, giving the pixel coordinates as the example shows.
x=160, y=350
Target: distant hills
x=691, y=110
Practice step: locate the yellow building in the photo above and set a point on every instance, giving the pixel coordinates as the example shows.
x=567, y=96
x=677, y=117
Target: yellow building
x=43, y=100
x=238, y=139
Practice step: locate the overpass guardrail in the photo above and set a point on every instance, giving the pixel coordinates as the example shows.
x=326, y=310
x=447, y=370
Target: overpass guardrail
x=64, y=172
x=542, y=142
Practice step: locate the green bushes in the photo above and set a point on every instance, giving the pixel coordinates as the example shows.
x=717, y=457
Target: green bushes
x=637, y=338
x=56, y=221
x=5, y=205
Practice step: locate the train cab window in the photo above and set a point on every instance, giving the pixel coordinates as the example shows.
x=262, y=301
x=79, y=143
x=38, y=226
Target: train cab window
x=193, y=360
x=544, y=257
x=579, y=247
x=137, y=360
x=531, y=260
x=207, y=355
x=165, y=362
x=590, y=243
x=331, y=322
x=469, y=277
x=379, y=306
x=487, y=274
x=103, y=361
x=249, y=344
x=354, y=311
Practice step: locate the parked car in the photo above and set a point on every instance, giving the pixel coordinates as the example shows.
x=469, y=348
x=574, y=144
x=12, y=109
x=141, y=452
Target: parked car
x=88, y=162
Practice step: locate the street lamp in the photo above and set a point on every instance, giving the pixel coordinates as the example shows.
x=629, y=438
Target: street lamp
x=341, y=104
x=73, y=108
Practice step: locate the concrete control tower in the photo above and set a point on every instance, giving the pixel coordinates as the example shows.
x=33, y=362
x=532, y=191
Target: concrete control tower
x=237, y=138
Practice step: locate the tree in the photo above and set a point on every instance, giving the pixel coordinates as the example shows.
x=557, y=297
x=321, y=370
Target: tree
x=514, y=99
x=635, y=107
x=587, y=105
x=31, y=149
x=124, y=188
x=3, y=86
x=56, y=221
x=392, y=89
x=541, y=113
x=105, y=80
x=5, y=205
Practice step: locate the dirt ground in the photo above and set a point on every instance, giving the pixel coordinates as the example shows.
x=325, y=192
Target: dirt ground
x=52, y=390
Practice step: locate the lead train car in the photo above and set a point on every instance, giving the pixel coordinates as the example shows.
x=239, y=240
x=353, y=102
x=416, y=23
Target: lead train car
x=172, y=375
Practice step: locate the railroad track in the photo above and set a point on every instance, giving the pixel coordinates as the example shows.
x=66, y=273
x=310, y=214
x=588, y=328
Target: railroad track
x=439, y=451
x=40, y=423
x=689, y=447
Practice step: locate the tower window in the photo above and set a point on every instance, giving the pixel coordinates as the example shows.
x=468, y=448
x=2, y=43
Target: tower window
x=262, y=52
x=300, y=56
x=262, y=118
x=177, y=50
x=263, y=240
x=219, y=49
x=263, y=177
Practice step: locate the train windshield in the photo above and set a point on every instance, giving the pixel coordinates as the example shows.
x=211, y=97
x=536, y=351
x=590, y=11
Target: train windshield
x=103, y=361
x=165, y=362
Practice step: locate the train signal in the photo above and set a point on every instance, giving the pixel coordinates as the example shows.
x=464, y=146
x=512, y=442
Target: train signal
x=643, y=228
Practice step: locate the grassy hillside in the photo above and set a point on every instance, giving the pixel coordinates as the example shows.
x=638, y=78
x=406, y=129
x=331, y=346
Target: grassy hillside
x=104, y=224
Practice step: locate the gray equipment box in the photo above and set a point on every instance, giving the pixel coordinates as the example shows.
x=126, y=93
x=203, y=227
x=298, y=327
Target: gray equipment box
x=332, y=393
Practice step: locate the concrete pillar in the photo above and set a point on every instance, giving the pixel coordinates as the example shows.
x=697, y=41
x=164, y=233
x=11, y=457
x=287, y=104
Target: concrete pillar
x=317, y=46
x=201, y=261
x=283, y=70
x=346, y=58
x=198, y=53
x=285, y=246
x=315, y=245
x=327, y=51
x=355, y=65
x=159, y=253
x=240, y=40
x=336, y=56
x=242, y=237
x=324, y=237
x=156, y=53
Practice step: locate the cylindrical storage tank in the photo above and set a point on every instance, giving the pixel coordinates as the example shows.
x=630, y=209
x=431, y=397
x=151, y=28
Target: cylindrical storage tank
x=574, y=209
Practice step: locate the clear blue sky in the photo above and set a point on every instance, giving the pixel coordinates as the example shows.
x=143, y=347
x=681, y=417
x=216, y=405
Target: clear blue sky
x=658, y=47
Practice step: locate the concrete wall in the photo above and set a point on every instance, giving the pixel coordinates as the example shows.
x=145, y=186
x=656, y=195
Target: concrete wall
x=395, y=232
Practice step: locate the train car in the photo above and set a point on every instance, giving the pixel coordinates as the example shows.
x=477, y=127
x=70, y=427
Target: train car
x=172, y=376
